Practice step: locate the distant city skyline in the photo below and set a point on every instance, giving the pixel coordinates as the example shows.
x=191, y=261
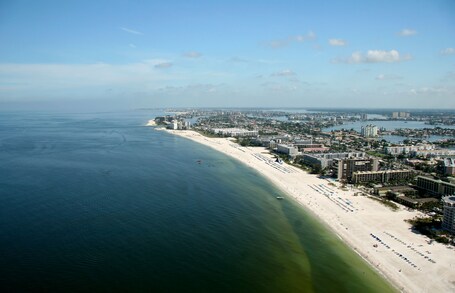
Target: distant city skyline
x=124, y=55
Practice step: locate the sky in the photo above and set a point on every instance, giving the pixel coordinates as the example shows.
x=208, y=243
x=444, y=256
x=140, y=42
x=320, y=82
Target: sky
x=147, y=54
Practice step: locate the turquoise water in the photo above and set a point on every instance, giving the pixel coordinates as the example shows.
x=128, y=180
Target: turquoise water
x=97, y=202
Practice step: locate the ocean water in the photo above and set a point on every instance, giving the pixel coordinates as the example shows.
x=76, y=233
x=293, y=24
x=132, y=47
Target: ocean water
x=99, y=203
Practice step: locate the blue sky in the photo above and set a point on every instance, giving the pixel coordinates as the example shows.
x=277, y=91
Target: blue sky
x=129, y=54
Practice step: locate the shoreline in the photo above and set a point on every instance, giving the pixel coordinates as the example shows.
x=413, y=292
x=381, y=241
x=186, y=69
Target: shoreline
x=397, y=254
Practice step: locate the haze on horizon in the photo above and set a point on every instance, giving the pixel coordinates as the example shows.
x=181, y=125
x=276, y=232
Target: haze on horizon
x=124, y=54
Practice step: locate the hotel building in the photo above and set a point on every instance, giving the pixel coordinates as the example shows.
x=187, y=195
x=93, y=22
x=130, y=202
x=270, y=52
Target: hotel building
x=435, y=186
x=448, y=221
x=347, y=167
x=369, y=131
x=381, y=176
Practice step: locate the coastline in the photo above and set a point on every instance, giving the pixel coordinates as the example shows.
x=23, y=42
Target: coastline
x=401, y=256
x=151, y=123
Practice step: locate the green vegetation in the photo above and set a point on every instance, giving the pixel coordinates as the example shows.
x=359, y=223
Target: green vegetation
x=316, y=169
x=426, y=168
x=431, y=227
x=338, y=148
x=262, y=132
x=378, y=154
x=393, y=206
x=283, y=157
x=207, y=133
x=446, y=144
x=431, y=206
x=249, y=142
x=300, y=166
x=343, y=186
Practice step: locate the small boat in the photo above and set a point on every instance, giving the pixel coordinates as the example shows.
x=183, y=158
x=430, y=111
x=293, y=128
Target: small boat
x=279, y=197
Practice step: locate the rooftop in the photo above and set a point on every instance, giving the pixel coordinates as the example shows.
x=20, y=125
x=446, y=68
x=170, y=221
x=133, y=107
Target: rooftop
x=449, y=199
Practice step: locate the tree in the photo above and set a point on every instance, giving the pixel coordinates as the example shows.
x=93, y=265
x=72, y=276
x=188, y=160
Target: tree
x=316, y=169
x=390, y=195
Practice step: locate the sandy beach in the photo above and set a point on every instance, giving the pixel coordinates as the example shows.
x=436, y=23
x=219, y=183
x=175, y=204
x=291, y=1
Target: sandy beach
x=378, y=234
x=151, y=123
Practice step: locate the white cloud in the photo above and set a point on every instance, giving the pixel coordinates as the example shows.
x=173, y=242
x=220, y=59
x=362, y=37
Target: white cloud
x=192, y=89
x=275, y=44
x=131, y=31
x=428, y=90
x=132, y=45
x=388, y=77
x=337, y=42
x=308, y=37
x=32, y=80
x=407, y=32
x=448, y=51
x=192, y=54
x=311, y=35
x=374, y=56
x=285, y=72
x=163, y=65
x=280, y=43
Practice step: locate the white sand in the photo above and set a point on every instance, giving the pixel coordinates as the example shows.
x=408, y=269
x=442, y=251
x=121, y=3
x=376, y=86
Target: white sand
x=353, y=218
x=151, y=123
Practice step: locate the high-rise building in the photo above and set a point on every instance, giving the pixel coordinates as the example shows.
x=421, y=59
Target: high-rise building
x=396, y=115
x=449, y=166
x=369, y=131
x=404, y=115
x=448, y=221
